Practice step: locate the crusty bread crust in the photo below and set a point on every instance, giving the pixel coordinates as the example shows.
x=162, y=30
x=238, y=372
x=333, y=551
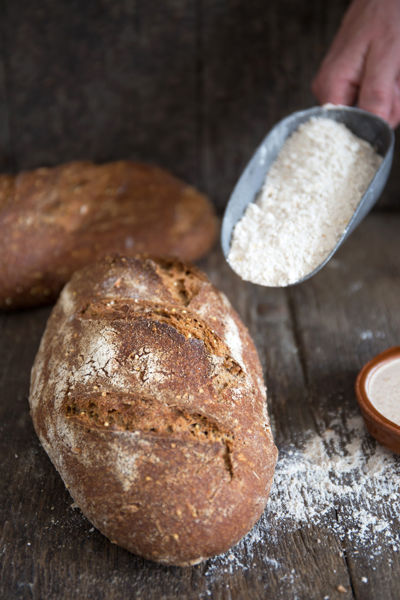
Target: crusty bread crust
x=56, y=220
x=147, y=394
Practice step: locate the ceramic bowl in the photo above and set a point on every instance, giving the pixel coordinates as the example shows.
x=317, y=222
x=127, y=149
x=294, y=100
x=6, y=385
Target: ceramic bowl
x=384, y=431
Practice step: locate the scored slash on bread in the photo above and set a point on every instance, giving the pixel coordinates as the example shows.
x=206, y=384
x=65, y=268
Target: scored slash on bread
x=54, y=221
x=147, y=394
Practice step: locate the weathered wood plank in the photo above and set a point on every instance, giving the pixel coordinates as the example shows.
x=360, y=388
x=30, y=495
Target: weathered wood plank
x=6, y=151
x=103, y=80
x=347, y=314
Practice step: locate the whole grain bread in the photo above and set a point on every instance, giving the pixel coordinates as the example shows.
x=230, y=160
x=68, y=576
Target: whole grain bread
x=147, y=394
x=56, y=220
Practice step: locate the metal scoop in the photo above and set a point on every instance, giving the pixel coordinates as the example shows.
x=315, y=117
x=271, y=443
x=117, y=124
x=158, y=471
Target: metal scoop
x=363, y=124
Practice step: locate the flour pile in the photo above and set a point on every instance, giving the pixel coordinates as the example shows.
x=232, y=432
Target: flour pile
x=341, y=482
x=307, y=200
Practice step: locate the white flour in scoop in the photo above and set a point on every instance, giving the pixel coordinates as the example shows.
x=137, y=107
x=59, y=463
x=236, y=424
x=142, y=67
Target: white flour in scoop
x=307, y=200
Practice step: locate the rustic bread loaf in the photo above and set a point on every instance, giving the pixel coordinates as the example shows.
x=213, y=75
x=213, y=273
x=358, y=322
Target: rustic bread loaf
x=147, y=394
x=56, y=220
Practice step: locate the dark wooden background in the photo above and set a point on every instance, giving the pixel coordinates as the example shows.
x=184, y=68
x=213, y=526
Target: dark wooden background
x=194, y=86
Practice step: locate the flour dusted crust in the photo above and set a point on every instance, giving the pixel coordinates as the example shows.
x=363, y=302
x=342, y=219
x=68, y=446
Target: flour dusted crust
x=56, y=220
x=147, y=394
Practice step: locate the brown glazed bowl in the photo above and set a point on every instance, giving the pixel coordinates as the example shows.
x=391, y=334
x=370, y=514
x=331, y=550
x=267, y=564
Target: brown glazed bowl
x=384, y=431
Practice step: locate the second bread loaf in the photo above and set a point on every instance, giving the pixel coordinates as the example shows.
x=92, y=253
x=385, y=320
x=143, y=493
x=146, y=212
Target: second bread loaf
x=56, y=220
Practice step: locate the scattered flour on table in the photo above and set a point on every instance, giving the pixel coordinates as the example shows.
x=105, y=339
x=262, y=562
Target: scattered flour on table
x=341, y=482
x=307, y=200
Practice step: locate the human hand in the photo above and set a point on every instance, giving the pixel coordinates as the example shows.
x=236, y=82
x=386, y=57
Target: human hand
x=363, y=64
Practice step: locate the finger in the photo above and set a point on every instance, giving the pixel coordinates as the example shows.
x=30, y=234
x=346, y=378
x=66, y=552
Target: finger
x=394, y=118
x=330, y=85
x=340, y=74
x=378, y=81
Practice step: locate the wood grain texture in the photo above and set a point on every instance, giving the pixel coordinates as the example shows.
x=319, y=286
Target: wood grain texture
x=102, y=79
x=312, y=344
x=344, y=317
x=193, y=86
x=7, y=154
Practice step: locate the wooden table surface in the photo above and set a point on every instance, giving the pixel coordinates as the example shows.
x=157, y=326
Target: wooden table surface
x=312, y=340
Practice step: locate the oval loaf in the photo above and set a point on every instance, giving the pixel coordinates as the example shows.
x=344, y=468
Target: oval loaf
x=54, y=221
x=147, y=394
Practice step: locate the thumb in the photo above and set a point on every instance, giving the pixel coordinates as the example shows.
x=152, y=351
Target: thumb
x=378, y=82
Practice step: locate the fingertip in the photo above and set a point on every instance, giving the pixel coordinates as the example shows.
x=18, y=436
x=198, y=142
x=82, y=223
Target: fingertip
x=333, y=90
x=378, y=87
x=377, y=103
x=376, y=97
x=394, y=118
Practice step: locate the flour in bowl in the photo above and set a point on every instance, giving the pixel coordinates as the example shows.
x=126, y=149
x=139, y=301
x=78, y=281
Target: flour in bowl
x=307, y=200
